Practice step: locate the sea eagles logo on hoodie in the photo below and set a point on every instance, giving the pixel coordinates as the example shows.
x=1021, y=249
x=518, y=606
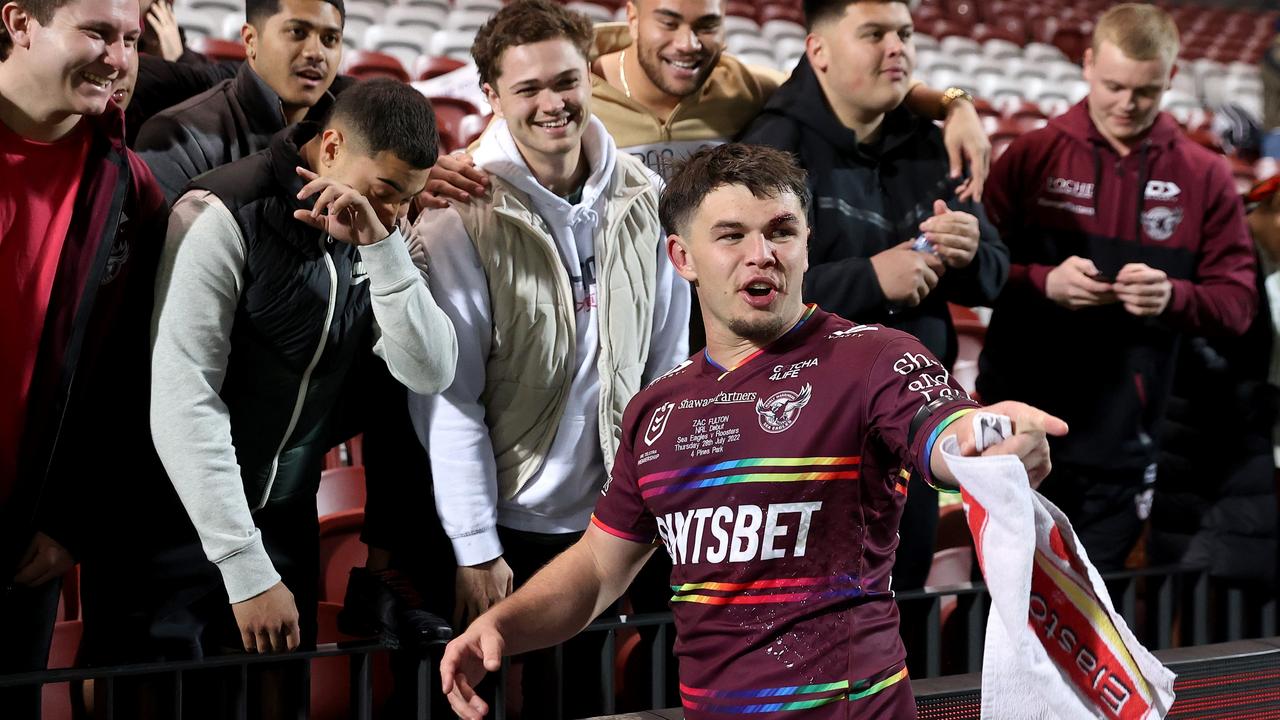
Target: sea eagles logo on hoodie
x=1161, y=222
x=782, y=409
x=117, y=258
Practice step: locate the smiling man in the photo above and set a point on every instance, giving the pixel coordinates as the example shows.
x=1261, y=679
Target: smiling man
x=1124, y=236
x=564, y=308
x=80, y=219
x=293, y=49
x=770, y=466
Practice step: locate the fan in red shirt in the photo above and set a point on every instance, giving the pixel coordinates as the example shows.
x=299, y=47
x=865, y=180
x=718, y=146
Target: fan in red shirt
x=76, y=272
x=771, y=466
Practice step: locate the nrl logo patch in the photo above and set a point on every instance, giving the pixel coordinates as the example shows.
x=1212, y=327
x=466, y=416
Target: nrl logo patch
x=1161, y=222
x=658, y=424
x=782, y=409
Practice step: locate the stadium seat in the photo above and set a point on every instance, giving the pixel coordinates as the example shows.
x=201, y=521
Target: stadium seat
x=217, y=49
x=925, y=42
x=453, y=43
x=1072, y=41
x=442, y=4
x=231, y=25
x=340, y=489
x=954, y=46
x=777, y=30
x=998, y=48
x=449, y=114
x=404, y=44
x=758, y=58
x=424, y=18
x=56, y=697
x=331, y=677
x=791, y=14
x=1037, y=53
x=597, y=12
x=484, y=7
x=429, y=66
x=340, y=550
x=366, y=11
x=735, y=25
x=217, y=7
x=202, y=23
x=469, y=20
x=372, y=63
x=741, y=44
x=1053, y=103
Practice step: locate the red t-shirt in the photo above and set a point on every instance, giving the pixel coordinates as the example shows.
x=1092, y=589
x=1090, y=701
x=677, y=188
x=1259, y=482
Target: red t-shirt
x=777, y=488
x=38, y=186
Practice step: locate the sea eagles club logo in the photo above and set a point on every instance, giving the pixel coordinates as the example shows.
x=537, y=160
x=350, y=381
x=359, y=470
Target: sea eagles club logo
x=659, y=423
x=782, y=409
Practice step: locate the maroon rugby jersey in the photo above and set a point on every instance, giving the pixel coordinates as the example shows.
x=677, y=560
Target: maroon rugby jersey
x=777, y=487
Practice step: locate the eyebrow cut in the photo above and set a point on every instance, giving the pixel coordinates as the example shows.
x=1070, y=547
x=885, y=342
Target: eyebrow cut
x=394, y=185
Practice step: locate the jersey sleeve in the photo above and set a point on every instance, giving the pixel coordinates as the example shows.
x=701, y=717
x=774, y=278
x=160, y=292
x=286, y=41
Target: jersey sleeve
x=621, y=510
x=903, y=379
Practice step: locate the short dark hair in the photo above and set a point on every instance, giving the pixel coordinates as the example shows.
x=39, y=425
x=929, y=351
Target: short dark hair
x=41, y=10
x=389, y=115
x=257, y=11
x=819, y=11
x=524, y=22
x=765, y=171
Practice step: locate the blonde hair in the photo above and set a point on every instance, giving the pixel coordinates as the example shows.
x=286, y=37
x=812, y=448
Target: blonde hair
x=1141, y=32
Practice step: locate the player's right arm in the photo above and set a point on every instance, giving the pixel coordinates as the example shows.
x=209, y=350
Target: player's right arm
x=557, y=603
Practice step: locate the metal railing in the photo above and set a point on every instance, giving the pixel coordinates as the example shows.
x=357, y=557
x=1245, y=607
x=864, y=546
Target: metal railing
x=1164, y=606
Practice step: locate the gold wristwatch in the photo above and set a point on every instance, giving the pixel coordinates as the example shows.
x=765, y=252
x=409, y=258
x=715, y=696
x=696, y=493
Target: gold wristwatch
x=952, y=94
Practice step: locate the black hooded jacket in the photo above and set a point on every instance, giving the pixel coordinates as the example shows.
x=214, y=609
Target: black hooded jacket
x=869, y=197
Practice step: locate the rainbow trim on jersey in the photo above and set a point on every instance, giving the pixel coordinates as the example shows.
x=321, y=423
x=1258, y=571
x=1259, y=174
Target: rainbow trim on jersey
x=831, y=468
x=714, y=700
x=818, y=588
x=804, y=318
x=927, y=449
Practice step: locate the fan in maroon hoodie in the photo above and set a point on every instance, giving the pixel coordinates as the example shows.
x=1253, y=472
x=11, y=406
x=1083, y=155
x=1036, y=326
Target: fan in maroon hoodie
x=1123, y=235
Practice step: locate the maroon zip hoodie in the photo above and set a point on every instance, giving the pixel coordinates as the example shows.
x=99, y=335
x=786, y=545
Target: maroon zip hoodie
x=86, y=432
x=1062, y=191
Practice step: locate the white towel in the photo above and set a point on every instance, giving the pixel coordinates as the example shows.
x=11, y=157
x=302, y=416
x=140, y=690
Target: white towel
x=1055, y=646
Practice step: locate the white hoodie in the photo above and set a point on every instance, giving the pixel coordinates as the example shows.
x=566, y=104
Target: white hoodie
x=560, y=497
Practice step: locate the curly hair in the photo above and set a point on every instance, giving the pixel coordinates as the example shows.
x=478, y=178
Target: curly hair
x=524, y=22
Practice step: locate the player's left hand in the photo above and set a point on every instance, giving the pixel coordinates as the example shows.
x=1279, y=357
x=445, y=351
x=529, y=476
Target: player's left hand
x=1143, y=290
x=954, y=235
x=966, y=140
x=340, y=211
x=1030, y=441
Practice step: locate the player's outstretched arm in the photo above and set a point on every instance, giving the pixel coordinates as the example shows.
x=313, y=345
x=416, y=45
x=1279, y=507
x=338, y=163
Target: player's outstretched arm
x=1030, y=441
x=556, y=603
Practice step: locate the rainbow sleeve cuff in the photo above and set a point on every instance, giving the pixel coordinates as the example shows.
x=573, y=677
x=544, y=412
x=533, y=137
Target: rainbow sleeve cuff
x=925, y=468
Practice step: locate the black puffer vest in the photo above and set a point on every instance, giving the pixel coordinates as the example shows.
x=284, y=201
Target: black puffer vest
x=303, y=322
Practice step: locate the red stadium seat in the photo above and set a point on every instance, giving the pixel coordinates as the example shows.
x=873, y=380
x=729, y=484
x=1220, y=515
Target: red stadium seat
x=340, y=550
x=964, y=12
x=780, y=12
x=340, y=489
x=429, y=66
x=216, y=49
x=331, y=677
x=371, y=63
x=1072, y=41
x=56, y=697
x=449, y=114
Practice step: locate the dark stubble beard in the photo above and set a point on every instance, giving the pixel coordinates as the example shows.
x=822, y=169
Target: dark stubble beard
x=761, y=331
x=652, y=66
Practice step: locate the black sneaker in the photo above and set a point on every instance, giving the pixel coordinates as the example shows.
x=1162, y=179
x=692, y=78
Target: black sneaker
x=383, y=603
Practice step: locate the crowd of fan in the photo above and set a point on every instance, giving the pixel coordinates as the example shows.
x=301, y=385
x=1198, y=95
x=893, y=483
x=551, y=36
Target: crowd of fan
x=212, y=273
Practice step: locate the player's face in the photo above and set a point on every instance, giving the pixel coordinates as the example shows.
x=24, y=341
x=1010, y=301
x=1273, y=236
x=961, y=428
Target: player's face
x=297, y=50
x=867, y=55
x=544, y=95
x=747, y=256
x=80, y=53
x=678, y=42
x=1124, y=94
